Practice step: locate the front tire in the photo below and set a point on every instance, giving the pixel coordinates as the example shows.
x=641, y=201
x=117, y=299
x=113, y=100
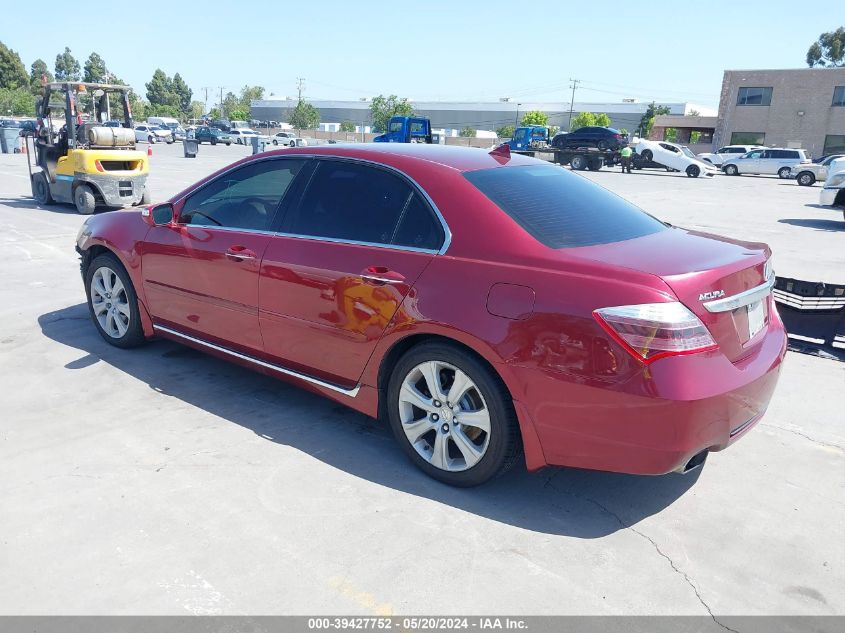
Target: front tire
x=41, y=189
x=731, y=170
x=452, y=416
x=806, y=179
x=275, y=142
x=647, y=155
x=84, y=200
x=693, y=171
x=783, y=173
x=112, y=302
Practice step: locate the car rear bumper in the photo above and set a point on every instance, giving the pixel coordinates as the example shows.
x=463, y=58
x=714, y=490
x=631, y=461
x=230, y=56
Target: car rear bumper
x=655, y=422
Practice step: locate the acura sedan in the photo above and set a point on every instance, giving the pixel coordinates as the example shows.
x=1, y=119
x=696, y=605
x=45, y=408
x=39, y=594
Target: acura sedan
x=485, y=305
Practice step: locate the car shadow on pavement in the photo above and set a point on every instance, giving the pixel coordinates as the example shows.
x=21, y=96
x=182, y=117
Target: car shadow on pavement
x=563, y=501
x=820, y=225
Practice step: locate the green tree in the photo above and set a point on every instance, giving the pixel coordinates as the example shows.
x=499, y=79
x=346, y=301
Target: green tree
x=468, y=132
x=647, y=120
x=230, y=104
x=535, y=117
x=94, y=69
x=197, y=110
x=12, y=71
x=160, y=91
x=506, y=131
x=67, y=68
x=37, y=71
x=694, y=112
x=670, y=134
x=250, y=94
x=304, y=116
x=382, y=108
x=183, y=93
x=214, y=113
x=828, y=50
x=589, y=119
x=20, y=101
x=347, y=126
x=239, y=114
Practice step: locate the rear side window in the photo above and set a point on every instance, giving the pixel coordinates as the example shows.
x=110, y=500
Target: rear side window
x=561, y=209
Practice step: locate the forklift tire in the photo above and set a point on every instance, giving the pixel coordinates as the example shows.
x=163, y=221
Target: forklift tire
x=41, y=189
x=84, y=199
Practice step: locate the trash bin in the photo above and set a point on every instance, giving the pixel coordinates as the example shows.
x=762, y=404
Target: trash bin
x=191, y=147
x=255, y=149
x=9, y=139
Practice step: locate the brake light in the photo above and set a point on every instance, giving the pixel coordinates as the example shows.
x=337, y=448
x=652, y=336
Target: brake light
x=99, y=166
x=654, y=330
x=617, y=136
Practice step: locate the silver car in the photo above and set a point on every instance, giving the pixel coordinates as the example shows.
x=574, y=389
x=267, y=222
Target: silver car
x=807, y=175
x=773, y=160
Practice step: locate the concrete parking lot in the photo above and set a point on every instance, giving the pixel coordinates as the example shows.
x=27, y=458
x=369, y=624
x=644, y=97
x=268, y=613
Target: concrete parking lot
x=162, y=481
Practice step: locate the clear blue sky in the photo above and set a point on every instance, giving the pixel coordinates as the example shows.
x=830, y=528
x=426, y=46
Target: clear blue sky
x=455, y=50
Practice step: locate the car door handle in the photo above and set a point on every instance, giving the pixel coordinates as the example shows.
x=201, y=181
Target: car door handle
x=239, y=253
x=382, y=275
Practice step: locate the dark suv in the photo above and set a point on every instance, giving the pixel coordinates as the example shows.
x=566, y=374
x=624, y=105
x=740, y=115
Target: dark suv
x=205, y=134
x=601, y=137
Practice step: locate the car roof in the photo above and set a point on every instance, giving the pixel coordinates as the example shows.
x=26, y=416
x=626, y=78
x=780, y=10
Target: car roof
x=450, y=156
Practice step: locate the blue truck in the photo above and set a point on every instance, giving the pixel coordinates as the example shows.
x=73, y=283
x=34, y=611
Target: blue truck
x=406, y=129
x=529, y=137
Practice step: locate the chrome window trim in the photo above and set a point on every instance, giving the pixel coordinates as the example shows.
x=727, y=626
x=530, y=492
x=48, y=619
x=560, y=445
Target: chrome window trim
x=742, y=299
x=447, y=233
x=231, y=229
x=288, y=372
x=337, y=240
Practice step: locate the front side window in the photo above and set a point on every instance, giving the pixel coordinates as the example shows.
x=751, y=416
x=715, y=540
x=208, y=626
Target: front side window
x=839, y=96
x=754, y=96
x=561, y=209
x=757, y=154
x=359, y=203
x=246, y=198
x=396, y=126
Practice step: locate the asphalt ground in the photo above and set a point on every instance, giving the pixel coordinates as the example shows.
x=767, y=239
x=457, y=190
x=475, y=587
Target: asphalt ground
x=163, y=481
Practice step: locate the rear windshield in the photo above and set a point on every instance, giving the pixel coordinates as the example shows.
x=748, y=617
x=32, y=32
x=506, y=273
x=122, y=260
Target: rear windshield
x=561, y=209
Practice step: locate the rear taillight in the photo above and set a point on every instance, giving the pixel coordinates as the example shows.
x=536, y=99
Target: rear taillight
x=617, y=136
x=653, y=330
x=99, y=166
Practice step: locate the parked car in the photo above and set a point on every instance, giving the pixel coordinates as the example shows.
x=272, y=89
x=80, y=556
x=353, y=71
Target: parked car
x=284, y=138
x=807, y=175
x=774, y=160
x=601, y=137
x=369, y=286
x=113, y=123
x=213, y=135
x=242, y=136
x=725, y=153
x=221, y=124
x=833, y=192
x=152, y=133
x=674, y=156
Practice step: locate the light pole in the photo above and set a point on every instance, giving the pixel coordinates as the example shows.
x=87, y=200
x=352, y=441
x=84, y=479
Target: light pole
x=516, y=123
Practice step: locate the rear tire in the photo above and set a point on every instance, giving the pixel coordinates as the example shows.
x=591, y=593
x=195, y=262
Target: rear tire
x=41, y=189
x=784, y=172
x=595, y=164
x=693, y=171
x=485, y=445
x=213, y=142
x=110, y=297
x=731, y=170
x=578, y=162
x=84, y=200
x=275, y=142
x=806, y=179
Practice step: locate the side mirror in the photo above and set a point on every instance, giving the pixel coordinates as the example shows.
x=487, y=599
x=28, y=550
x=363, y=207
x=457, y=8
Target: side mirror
x=162, y=214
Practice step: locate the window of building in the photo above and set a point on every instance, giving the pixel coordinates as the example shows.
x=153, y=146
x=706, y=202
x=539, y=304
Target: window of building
x=834, y=144
x=839, y=96
x=748, y=138
x=754, y=96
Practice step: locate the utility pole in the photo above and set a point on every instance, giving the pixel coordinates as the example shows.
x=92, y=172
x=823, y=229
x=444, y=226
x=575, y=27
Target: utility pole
x=300, y=81
x=222, y=113
x=205, y=90
x=574, y=85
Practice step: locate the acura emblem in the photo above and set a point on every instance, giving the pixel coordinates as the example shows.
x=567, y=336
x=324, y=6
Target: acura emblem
x=715, y=294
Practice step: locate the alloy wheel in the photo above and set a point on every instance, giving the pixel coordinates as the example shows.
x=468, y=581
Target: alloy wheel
x=110, y=302
x=444, y=416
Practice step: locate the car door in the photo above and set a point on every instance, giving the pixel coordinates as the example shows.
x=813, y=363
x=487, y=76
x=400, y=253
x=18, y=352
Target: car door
x=749, y=163
x=670, y=156
x=200, y=273
x=520, y=138
x=349, y=251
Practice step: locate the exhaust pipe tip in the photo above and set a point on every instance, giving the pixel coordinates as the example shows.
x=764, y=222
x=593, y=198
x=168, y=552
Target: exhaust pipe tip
x=694, y=463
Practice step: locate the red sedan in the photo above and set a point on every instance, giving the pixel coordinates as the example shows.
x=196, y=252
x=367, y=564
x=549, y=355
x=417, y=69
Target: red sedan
x=486, y=305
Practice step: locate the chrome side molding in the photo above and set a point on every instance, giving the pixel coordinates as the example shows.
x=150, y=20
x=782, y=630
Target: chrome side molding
x=742, y=299
x=282, y=370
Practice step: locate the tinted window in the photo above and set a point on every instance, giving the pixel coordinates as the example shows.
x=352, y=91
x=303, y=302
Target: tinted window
x=839, y=96
x=834, y=143
x=418, y=227
x=561, y=209
x=754, y=96
x=353, y=202
x=748, y=138
x=396, y=126
x=245, y=198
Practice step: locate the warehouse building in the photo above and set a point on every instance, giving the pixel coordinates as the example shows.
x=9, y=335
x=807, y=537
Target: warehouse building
x=478, y=115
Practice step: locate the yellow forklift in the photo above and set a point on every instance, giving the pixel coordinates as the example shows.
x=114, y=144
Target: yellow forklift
x=86, y=158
